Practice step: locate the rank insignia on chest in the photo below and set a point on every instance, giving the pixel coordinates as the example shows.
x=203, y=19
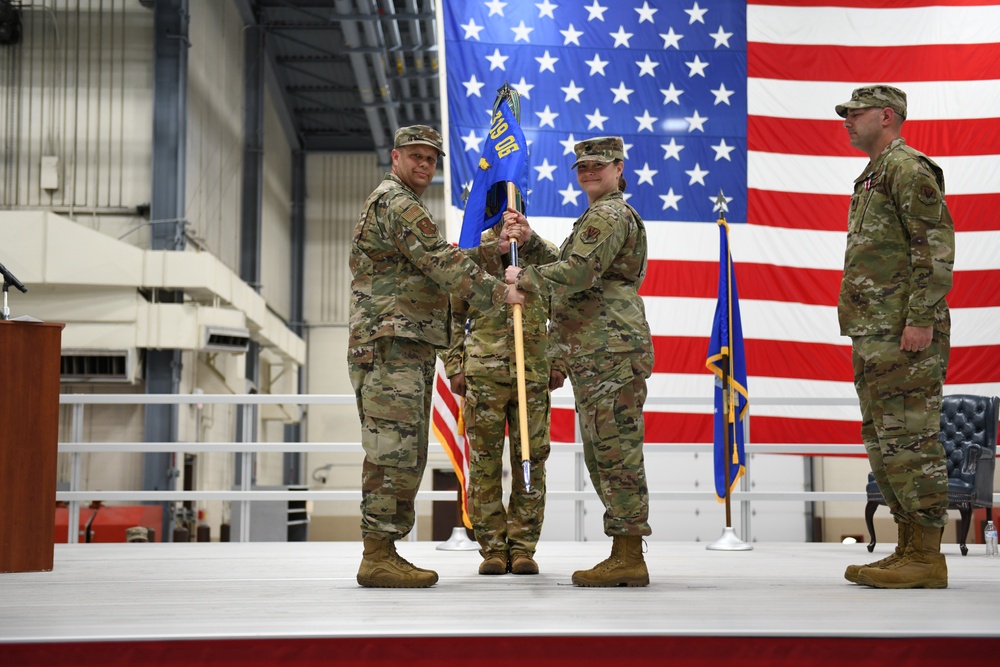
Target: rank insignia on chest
x=591, y=235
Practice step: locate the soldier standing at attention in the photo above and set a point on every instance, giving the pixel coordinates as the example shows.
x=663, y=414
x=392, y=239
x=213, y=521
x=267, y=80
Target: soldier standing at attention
x=483, y=371
x=599, y=331
x=897, y=271
x=402, y=273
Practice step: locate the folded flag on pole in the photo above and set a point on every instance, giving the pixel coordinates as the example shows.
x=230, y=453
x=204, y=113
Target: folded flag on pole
x=449, y=427
x=504, y=158
x=727, y=360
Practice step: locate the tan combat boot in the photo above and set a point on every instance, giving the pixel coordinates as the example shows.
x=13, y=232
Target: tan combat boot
x=522, y=563
x=625, y=566
x=494, y=562
x=904, y=531
x=382, y=567
x=922, y=564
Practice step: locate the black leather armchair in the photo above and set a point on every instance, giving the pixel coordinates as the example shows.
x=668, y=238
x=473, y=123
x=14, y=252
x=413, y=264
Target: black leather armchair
x=969, y=435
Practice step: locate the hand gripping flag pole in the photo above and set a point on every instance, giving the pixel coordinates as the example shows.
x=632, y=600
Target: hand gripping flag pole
x=500, y=183
x=728, y=362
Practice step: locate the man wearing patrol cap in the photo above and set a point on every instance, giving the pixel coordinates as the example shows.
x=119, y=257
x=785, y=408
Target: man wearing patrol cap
x=402, y=273
x=875, y=97
x=601, y=340
x=897, y=271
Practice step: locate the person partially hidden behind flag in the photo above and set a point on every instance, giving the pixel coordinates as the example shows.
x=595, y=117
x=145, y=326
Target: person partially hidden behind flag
x=897, y=271
x=481, y=367
x=600, y=336
x=402, y=272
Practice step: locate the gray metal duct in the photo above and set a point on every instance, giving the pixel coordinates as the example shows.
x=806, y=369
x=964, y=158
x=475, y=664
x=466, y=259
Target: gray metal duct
x=373, y=35
x=352, y=38
x=416, y=38
x=395, y=44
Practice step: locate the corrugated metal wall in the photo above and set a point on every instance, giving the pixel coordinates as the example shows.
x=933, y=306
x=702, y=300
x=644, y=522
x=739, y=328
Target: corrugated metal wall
x=78, y=87
x=338, y=185
x=215, y=128
x=276, y=223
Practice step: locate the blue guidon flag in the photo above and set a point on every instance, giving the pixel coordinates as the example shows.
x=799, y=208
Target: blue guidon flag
x=504, y=158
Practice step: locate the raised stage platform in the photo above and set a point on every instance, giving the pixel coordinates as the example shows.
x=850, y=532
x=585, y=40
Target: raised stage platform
x=299, y=604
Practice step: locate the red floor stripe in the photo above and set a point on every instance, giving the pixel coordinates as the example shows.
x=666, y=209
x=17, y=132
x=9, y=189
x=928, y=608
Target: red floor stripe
x=504, y=651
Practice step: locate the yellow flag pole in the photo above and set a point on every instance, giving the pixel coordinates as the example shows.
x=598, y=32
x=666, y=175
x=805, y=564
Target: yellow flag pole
x=522, y=392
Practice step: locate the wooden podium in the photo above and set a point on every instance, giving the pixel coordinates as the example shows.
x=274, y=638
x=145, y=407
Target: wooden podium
x=29, y=434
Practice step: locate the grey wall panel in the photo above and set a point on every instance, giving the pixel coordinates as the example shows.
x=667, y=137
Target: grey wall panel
x=215, y=130
x=78, y=89
x=276, y=223
x=337, y=186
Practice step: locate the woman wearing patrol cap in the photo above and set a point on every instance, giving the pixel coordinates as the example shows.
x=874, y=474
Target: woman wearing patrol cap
x=601, y=340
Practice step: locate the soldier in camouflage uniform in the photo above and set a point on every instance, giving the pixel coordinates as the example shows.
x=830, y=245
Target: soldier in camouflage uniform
x=897, y=271
x=403, y=271
x=601, y=339
x=481, y=367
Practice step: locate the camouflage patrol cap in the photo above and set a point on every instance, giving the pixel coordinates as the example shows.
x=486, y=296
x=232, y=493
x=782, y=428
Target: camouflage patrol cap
x=418, y=134
x=137, y=534
x=599, y=149
x=881, y=96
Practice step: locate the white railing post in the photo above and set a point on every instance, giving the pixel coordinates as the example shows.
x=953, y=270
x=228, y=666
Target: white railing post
x=579, y=482
x=746, y=532
x=76, y=466
x=246, y=472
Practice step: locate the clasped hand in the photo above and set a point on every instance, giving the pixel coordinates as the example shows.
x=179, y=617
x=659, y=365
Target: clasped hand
x=515, y=226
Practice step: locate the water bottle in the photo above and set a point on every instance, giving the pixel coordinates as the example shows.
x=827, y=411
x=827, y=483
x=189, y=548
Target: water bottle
x=991, y=539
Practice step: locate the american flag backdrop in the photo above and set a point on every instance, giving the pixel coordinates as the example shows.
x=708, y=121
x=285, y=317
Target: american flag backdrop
x=714, y=95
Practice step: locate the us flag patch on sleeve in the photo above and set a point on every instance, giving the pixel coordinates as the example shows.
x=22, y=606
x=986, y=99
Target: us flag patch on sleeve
x=416, y=215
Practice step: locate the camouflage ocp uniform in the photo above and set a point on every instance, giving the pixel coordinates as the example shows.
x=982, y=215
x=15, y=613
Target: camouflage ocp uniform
x=486, y=357
x=897, y=271
x=403, y=271
x=601, y=339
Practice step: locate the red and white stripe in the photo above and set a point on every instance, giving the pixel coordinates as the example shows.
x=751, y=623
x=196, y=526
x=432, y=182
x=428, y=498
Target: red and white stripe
x=449, y=428
x=804, y=57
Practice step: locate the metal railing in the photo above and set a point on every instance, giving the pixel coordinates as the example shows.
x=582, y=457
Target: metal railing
x=245, y=494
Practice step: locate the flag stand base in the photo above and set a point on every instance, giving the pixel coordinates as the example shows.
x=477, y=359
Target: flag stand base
x=728, y=542
x=459, y=541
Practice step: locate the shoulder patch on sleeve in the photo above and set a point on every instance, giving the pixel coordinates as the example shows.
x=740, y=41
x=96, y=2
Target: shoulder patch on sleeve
x=590, y=235
x=927, y=195
x=427, y=227
x=415, y=215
